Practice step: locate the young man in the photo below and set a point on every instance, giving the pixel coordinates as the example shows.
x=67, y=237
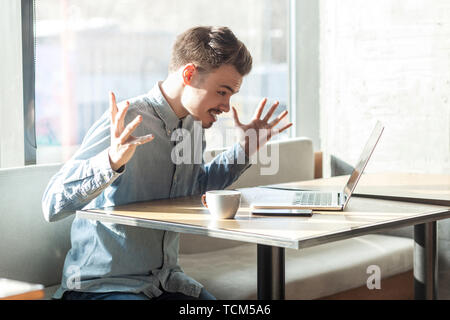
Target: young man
x=127, y=157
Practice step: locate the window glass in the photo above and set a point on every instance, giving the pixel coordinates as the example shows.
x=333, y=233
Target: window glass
x=84, y=49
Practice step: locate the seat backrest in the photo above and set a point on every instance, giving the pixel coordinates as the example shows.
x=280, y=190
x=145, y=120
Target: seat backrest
x=31, y=249
x=295, y=163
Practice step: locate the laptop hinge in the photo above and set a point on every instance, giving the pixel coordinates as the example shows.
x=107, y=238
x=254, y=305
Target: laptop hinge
x=344, y=198
x=341, y=198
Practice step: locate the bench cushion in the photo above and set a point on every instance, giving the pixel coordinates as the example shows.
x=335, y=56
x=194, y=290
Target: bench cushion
x=50, y=291
x=278, y=162
x=310, y=273
x=32, y=249
x=294, y=163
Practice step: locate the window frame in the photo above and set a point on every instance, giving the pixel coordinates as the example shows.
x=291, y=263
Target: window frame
x=304, y=108
x=17, y=84
x=304, y=69
x=28, y=69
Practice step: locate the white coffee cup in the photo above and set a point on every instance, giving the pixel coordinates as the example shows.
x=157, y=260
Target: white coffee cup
x=222, y=204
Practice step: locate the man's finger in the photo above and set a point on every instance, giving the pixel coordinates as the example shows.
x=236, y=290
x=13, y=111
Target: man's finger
x=236, y=117
x=121, y=117
x=112, y=106
x=284, y=128
x=278, y=119
x=142, y=140
x=271, y=111
x=260, y=109
x=113, y=113
x=130, y=129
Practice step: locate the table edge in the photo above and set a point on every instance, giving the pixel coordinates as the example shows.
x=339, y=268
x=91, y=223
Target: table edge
x=373, y=229
x=191, y=229
x=294, y=243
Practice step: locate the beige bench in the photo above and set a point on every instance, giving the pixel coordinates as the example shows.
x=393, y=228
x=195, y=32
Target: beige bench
x=33, y=250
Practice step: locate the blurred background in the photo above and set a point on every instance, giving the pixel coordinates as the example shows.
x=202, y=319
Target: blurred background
x=84, y=49
x=336, y=66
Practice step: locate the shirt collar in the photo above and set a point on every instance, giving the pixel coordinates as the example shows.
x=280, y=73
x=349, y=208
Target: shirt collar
x=163, y=109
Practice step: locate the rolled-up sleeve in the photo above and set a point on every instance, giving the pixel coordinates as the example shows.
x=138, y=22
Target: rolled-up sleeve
x=82, y=178
x=224, y=169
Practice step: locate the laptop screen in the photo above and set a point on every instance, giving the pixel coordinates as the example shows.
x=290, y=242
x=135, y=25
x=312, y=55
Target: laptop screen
x=367, y=152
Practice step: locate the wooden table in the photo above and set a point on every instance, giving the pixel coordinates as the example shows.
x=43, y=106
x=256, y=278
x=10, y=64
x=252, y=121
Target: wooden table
x=271, y=234
x=408, y=187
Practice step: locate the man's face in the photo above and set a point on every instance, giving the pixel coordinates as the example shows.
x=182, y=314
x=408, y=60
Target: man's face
x=208, y=95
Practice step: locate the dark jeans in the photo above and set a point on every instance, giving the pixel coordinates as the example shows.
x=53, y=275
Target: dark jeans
x=75, y=295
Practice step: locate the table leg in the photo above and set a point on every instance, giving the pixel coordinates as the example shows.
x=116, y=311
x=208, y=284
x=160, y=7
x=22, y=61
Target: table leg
x=425, y=261
x=271, y=281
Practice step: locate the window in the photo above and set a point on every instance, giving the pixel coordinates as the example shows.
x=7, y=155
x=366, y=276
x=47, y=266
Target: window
x=85, y=48
x=387, y=60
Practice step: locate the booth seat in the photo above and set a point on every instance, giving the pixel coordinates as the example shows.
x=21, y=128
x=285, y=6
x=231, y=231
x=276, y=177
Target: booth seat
x=34, y=250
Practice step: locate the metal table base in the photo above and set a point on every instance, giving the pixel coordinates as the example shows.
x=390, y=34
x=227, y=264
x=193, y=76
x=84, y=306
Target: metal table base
x=271, y=280
x=425, y=261
x=271, y=266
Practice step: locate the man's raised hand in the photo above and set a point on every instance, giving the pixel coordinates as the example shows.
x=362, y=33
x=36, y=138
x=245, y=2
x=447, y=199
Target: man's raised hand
x=261, y=129
x=123, y=143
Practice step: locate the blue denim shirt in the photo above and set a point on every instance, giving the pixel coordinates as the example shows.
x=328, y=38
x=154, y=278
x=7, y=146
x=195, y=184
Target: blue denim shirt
x=107, y=257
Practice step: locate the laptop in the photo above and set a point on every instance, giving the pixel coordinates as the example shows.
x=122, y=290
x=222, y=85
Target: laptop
x=321, y=200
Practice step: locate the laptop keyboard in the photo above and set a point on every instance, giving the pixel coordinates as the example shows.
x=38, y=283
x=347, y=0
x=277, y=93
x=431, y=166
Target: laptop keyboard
x=313, y=198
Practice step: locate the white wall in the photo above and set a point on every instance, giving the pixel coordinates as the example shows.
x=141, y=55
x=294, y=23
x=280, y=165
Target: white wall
x=11, y=86
x=386, y=60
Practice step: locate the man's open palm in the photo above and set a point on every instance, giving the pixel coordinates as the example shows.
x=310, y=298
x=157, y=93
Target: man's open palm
x=262, y=129
x=123, y=143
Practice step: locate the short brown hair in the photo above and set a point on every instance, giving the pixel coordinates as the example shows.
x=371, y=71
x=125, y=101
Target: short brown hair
x=209, y=48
